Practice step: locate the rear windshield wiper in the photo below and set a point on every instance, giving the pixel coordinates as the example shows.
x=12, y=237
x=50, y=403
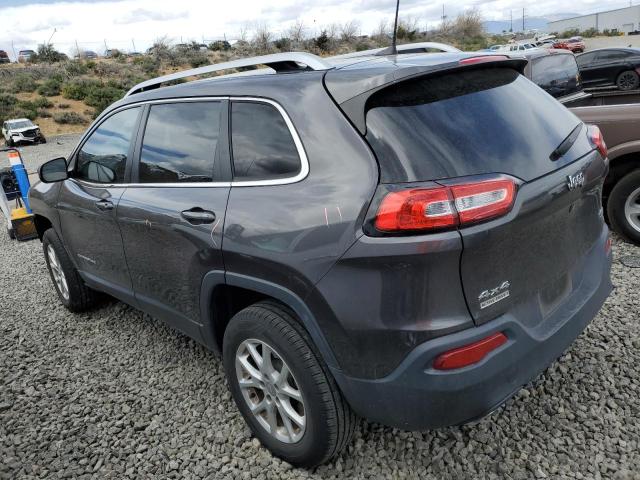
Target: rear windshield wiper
x=566, y=144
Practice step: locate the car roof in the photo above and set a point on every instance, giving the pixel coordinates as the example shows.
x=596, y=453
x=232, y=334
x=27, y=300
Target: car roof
x=615, y=49
x=15, y=120
x=540, y=52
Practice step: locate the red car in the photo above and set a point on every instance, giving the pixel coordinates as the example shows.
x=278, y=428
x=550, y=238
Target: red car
x=574, y=44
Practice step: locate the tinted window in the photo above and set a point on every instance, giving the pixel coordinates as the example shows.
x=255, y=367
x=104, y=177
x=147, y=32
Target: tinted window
x=612, y=55
x=585, y=59
x=556, y=74
x=103, y=157
x=262, y=144
x=180, y=141
x=473, y=122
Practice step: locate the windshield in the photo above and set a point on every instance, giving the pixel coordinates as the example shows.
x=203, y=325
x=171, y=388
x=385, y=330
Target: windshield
x=20, y=124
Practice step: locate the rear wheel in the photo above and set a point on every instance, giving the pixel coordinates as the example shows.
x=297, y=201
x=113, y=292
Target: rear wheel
x=282, y=387
x=628, y=80
x=71, y=289
x=623, y=207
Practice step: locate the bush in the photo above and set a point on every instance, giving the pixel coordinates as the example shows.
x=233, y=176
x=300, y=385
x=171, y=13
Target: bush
x=8, y=104
x=63, y=106
x=100, y=97
x=75, y=68
x=42, y=102
x=24, y=83
x=78, y=89
x=44, y=114
x=148, y=64
x=198, y=59
x=219, y=45
x=46, y=53
x=572, y=32
x=590, y=33
x=51, y=87
x=69, y=118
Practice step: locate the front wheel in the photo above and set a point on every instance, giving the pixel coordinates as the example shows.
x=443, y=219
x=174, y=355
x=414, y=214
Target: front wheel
x=283, y=388
x=70, y=287
x=628, y=80
x=43, y=140
x=623, y=207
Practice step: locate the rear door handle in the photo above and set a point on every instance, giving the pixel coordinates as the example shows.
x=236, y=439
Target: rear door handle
x=198, y=216
x=104, y=205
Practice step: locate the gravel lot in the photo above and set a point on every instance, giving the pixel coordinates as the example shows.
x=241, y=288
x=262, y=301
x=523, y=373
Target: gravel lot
x=114, y=393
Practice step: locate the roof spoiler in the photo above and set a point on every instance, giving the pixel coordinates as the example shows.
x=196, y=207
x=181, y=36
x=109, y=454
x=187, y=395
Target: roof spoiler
x=280, y=62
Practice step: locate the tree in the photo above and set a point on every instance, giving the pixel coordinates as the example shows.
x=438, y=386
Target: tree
x=297, y=33
x=262, y=38
x=46, y=53
x=349, y=30
x=322, y=42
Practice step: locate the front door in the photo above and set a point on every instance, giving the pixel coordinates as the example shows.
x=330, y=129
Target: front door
x=172, y=217
x=88, y=203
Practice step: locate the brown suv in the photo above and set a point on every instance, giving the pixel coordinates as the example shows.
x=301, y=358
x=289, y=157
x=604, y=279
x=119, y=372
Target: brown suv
x=617, y=114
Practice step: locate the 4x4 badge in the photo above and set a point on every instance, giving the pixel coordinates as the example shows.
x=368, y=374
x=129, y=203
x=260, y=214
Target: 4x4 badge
x=576, y=180
x=494, y=295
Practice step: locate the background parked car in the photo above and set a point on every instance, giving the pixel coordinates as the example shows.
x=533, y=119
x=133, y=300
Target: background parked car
x=4, y=58
x=25, y=56
x=21, y=130
x=610, y=66
x=86, y=54
x=574, y=44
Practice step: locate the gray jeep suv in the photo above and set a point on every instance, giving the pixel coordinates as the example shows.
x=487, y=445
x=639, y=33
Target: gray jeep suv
x=406, y=238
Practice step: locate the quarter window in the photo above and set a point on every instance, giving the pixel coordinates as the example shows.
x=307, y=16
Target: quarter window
x=263, y=148
x=103, y=157
x=180, y=142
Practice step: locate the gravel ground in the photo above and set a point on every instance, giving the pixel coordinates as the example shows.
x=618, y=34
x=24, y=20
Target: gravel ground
x=35, y=155
x=114, y=393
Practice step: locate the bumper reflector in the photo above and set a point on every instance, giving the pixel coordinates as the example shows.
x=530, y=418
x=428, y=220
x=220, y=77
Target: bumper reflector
x=469, y=354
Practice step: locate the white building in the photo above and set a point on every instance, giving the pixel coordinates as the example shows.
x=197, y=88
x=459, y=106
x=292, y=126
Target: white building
x=622, y=19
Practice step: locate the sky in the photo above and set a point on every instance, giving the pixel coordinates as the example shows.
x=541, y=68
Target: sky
x=129, y=24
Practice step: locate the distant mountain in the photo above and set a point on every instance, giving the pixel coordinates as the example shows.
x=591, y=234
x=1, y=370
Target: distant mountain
x=530, y=23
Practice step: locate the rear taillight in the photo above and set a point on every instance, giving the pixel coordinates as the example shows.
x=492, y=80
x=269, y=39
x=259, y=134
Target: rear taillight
x=469, y=354
x=445, y=207
x=596, y=139
x=482, y=59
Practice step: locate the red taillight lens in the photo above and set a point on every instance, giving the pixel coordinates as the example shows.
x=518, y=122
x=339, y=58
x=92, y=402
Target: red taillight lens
x=418, y=209
x=596, y=139
x=480, y=201
x=445, y=207
x=482, y=59
x=469, y=354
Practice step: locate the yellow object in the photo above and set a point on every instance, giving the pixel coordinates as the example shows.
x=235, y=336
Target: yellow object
x=23, y=225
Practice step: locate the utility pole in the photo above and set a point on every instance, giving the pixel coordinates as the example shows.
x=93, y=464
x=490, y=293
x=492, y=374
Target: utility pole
x=523, y=30
x=105, y=46
x=444, y=17
x=77, y=49
x=134, y=45
x=54, y=31
x=511, y=29
x=14, y=51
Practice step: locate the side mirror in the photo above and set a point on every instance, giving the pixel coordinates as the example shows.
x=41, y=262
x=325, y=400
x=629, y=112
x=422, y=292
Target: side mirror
x=53, y=171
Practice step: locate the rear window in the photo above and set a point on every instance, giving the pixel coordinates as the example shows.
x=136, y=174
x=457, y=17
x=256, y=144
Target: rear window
x=466, y=123
x=556, y=74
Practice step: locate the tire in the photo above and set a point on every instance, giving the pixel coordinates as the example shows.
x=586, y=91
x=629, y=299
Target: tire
x=624, y=199
x=628, y=80
x=72, y=291
x=43, y=140
x=329, y=421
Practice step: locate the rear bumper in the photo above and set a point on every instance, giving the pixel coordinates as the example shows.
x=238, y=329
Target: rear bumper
x=416, y=397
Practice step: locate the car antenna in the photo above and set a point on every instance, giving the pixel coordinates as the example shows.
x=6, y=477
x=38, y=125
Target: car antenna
x=392, y=50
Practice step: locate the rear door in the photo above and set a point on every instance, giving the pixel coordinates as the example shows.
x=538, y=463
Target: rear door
x=469, y=126
x=173, y=214
x=587, y=63
x=88, y=202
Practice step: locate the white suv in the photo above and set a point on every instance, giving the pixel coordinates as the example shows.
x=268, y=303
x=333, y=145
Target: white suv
x=21, y=130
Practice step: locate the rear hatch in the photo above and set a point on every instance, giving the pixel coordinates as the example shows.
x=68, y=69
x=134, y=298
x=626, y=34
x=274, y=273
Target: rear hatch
x=492, y=124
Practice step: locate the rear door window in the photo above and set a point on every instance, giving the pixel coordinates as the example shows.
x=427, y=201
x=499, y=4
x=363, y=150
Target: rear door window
x=262, y=145
x=179, y=143
x=465, y=123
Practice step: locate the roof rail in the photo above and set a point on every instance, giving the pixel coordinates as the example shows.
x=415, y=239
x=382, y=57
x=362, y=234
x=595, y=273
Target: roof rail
x=280, y=62
x=407, y=48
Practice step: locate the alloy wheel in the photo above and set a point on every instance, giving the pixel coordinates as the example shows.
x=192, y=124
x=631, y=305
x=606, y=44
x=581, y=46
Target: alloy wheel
x=632, y=209
x=57, y=273
x=626, y=80
x=270, y=390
